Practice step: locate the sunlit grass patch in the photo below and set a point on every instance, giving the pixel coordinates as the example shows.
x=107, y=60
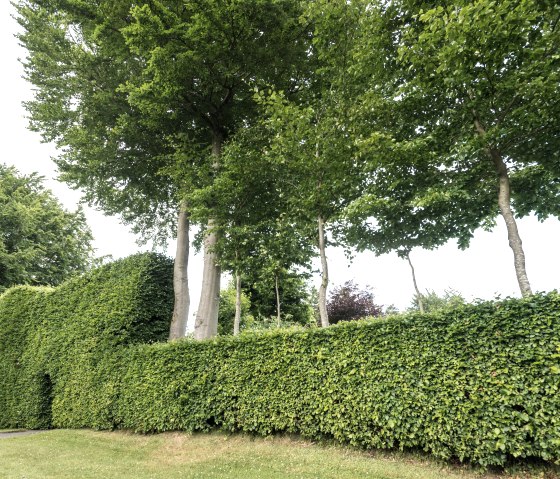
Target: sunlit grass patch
x=86, y=454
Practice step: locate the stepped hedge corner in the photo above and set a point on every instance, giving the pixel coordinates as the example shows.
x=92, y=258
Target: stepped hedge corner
x=481, y=383
x=58, y=346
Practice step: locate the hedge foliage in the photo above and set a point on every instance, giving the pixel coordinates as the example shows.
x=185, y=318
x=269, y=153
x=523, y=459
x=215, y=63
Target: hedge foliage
x=55, y=343
x=481, y=383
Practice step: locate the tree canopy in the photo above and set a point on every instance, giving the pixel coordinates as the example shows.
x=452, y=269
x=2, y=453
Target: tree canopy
x=463, y=116
x=40, y=242
x=283, y=126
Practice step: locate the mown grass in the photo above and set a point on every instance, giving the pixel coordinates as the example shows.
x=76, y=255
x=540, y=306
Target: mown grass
x=87, y=454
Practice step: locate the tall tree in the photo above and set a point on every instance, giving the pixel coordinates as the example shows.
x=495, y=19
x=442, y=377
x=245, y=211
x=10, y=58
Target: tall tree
x=186, y=74
x=78, y=59
x=203, y=61
x=40, y=242
x=475, y=120
x=312, y=137
x=256, y=241
x=319, y=172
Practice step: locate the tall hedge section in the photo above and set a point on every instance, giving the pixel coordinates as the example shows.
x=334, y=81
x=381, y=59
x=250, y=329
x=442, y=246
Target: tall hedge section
x=481, y=383
x=58, y=346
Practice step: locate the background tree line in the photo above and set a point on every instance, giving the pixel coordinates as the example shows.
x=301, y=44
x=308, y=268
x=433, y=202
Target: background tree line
x=283, y=127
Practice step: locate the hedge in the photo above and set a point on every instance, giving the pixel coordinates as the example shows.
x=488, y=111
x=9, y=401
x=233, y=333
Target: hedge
x=480, y=383
x=55, y=343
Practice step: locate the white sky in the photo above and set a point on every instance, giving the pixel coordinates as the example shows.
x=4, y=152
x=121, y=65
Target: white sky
x=483, y=271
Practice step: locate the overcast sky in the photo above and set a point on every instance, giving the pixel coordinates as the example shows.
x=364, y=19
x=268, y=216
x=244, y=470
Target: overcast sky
x=485, y=270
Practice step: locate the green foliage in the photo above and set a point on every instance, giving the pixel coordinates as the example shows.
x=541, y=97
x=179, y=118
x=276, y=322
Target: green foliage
x=60, y=345
x=77, y=61
x=40, y=242
x=431, y=301
x=479, y=382
x=227, y=310
x=450, y=84
x=295, y=304
x=258, y=306
x=135, y=92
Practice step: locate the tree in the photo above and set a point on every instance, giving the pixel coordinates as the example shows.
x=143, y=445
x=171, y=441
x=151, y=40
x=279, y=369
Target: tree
x=473, y=100
x=431, y=301
x=348, y=303
x=255, y=240
x=77, y=61
x=310, y=140
x=40, y=242
x=183, y=76
x=232, y=305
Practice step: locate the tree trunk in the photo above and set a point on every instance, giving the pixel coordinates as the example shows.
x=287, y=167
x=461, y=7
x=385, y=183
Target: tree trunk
x=206, y=323
x=511, y=225
x=277, y=289
x=504, y=203
x=237, y=320
x=418, y=294
x=182, y=302
x=324, y=275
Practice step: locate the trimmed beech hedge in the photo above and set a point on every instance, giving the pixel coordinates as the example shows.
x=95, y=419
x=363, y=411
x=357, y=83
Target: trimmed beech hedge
x=481, y=383
x=55, y=344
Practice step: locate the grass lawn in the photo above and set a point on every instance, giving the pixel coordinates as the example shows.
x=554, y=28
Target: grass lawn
x=84, y=454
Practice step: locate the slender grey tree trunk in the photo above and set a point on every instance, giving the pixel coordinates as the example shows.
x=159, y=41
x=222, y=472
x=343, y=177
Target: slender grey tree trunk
x=324, y=275
x=182, y=302
x=206, y=323
x=504, y=204
x=418, y=294
x=237, y=319
x=277, y=289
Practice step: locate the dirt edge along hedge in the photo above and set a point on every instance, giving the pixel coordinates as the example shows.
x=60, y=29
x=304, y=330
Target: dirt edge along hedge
x=56, y=344
x=480, y=383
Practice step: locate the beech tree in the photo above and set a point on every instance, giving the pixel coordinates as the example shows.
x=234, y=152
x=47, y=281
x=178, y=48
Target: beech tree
x=494, y=70
x=40, y=242
x=182, y=74
x=312, y=137
x=319, y=176
x=468, y=126
x=256, y=240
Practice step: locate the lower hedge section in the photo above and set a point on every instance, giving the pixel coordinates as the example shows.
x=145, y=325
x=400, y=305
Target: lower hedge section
x=481, y=383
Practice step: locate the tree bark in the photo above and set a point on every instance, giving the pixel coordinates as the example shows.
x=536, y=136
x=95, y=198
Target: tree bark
x=511, y=225
x=182, y=302
x=237, y=319
x=277, y=289
x=504, y=204
x=324, y=275
x=418, y=294
x=206, y=323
